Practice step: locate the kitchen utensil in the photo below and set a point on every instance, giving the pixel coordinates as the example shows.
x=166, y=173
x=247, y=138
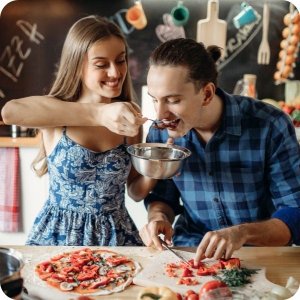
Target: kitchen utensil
x=135, y=16
x=11, y=263
x=212, y=31
x=175, y=253
x=180, y=14
x=263, y=56
x=156, y=122
x=157, y=160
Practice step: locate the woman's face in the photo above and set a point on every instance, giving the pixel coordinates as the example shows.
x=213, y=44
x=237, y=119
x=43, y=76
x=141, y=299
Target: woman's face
x=104, y=70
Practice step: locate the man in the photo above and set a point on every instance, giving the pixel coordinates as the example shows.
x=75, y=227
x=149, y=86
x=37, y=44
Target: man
x=241, y=185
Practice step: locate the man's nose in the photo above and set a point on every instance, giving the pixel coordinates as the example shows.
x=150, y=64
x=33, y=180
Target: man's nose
x=161, y=111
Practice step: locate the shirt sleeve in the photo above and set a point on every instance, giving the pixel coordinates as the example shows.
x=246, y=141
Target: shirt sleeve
x=284, y=176
x=291, y=217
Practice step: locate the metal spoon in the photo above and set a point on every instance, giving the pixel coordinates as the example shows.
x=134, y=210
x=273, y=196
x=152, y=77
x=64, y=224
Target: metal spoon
x=158, y=124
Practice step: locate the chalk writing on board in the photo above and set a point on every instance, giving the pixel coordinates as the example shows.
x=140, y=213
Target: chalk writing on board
x=14, y=55
x=242, y=38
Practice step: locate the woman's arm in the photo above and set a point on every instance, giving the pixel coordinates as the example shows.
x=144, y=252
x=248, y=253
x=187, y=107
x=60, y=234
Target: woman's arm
x=46, y=111
x=138, y=186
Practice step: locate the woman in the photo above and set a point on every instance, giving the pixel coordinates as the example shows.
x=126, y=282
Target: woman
x=86, y=122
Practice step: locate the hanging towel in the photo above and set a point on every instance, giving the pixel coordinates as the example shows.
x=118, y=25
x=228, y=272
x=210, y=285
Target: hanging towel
x=9, y=189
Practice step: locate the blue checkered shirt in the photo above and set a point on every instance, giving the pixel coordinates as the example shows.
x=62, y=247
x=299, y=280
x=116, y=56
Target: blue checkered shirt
x=248, y=171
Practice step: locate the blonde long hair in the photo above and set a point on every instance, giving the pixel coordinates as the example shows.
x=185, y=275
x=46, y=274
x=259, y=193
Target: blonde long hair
x=68, y=85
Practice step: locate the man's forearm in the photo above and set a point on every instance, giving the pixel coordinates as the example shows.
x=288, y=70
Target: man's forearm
x=160, y=211
x=273, y=232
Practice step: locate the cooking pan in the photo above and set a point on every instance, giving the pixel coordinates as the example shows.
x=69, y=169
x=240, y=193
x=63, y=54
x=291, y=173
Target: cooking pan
x=11, y=263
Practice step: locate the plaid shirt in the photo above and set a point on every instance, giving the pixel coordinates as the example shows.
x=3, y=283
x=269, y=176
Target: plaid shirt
x=248, y=171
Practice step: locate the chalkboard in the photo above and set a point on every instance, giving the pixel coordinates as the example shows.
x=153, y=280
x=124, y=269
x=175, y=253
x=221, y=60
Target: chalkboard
x=32, y=33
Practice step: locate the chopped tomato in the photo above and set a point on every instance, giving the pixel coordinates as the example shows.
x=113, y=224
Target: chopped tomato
x=191, y=263
x=193, y=297
x=189, y=292
x=59, y=277
x=179, y=297
x=172, y=265
x=214, y=289
x=57, y=257
x=45, y=276
x=171, y=273
x=115, y=261
x=70, y=269
x=45, y=263
x=187, y=273
x=187, y=281
x=79, y=262
x=217, y=267
x=112, y=274
x=204, y=271
x=103, y=280
x=86, y=275
x=231, y=263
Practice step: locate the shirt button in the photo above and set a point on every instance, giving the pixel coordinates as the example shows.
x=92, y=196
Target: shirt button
x=210, y=173
x=216, y=200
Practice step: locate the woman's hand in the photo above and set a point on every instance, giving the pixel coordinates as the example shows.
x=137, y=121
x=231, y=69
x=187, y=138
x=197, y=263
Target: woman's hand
x=123, y=118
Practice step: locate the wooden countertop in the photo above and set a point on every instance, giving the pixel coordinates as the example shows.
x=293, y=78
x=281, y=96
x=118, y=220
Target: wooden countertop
x=27, y=142
x=280, y=262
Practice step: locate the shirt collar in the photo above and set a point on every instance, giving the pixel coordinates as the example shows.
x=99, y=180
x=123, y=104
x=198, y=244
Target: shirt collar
x=231, y=118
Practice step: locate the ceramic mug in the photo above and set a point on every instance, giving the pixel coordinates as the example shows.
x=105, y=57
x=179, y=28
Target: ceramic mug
x=135, y=16
x=246, y=16
x=180, y=14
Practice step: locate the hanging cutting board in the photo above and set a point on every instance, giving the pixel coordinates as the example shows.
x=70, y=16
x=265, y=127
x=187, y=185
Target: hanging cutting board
x=212, y=30
x=154, y=275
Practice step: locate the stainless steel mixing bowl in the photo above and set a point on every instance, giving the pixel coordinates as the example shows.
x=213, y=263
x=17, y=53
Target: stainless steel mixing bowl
x=157, y=160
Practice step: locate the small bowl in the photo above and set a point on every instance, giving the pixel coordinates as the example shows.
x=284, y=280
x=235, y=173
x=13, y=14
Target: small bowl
x=157, y=160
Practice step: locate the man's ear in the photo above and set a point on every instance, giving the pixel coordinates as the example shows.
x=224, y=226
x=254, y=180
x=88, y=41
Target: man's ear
x=209, y=93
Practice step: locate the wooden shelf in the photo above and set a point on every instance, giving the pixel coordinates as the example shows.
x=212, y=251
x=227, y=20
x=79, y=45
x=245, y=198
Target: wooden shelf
x=20, y=142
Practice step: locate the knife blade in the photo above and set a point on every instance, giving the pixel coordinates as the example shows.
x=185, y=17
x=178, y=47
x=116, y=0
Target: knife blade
x=175, y=253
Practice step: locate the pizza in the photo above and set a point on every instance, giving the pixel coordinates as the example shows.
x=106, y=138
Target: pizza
x=87, y=271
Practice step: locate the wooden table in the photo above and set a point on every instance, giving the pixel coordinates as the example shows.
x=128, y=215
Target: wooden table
x=280, y=262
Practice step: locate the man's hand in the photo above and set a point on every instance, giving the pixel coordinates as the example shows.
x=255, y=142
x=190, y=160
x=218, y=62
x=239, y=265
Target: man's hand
x=220, y=243
x=150, y=233
x=122, y=118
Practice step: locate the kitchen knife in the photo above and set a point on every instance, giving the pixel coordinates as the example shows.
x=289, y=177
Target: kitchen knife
x=175, y=253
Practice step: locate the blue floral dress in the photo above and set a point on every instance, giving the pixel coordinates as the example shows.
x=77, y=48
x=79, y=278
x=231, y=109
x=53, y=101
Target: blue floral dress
x=86, y=204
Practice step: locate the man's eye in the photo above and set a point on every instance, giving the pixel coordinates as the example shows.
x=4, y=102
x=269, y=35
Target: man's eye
x=173, y=101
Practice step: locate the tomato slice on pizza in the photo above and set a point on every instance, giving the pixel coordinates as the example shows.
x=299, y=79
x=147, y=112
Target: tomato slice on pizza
x=87, y=271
